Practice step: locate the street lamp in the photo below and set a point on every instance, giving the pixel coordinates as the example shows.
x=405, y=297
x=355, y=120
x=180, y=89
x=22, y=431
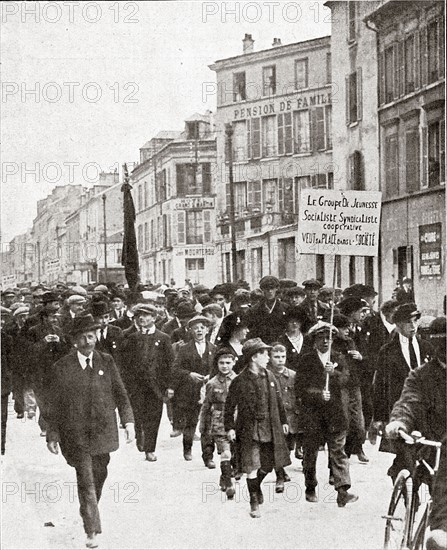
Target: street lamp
x=229, y=158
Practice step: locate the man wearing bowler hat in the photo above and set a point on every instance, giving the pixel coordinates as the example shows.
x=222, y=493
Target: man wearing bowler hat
x=86, y=390
x=316, y=309
x=146, y=360
x=108, y=336
x=266, y=319
x=404, y=353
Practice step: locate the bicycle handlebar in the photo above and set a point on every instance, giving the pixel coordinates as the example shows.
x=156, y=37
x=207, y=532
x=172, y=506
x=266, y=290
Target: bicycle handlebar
x=417, y=437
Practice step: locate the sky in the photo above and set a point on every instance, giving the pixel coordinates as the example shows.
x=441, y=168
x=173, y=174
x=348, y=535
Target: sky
x=86, y=84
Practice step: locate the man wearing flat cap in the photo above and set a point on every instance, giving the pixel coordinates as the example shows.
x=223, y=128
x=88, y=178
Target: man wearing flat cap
x=86, y=390
x=266, y=319
x=325, y=416
x=260, y=425
x=146, y=359
x=316, y=309
x=191, y=371
x=108, y=336
x=403, y=354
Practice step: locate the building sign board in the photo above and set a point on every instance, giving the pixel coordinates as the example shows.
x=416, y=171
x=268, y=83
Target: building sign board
x=190, y=203
x=339, y=222
x=281, y=106
x=195, y=252
x=430, y=250
x=8, y=281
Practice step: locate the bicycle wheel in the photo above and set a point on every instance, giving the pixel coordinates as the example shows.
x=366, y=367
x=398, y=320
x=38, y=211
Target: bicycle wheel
x=419, y=536
x=398, y=517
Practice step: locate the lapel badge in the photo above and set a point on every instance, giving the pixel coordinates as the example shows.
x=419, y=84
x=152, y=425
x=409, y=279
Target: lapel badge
x=101, y=372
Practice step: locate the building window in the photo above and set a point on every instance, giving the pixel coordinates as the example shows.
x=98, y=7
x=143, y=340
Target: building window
x=433, y=51
x=301, y=131
x=239, y=92
x=369, y=270
x=285, y=195
x=285, y=138
x=412, y=160
x=269, y=80
x=301, y=74
x=268, y=136
x=328, y=68
x=140, y=201
x=226, y=261
x=390, y=74
x=239, y=141
x=328, y=126
x=436, y=153
x=391, y=166
x=354, y=96
x=410, y=65
x=146, y=236
x=153, y=241
x=254, y=196
x=145, y=194
x=254, y=138
x=352, y=270
x=193, y=129
x=352, y=21
x=319, y=181
x=318, y=129
x=140, y=238
x=356, y=180
x=207, y=226
x=165, y=230
x=118, y=256
x=194, y=227
x=240, y=264
x=269, y=191
x=240, y=196
x=192, y=179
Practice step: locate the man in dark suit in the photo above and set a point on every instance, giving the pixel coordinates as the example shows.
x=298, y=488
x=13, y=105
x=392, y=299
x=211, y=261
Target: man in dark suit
x=325, y=418
x=191, y=372
x=266, y=319
x=404, y=353
x=108, y=337
x=76, y=304
x=85, y=392
x=316, y=309
x=146, y=358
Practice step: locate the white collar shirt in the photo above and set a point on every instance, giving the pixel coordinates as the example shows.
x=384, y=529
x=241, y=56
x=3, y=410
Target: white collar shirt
x=405, y=347
x=389, y=326
x=83, y=360
x=200, y=347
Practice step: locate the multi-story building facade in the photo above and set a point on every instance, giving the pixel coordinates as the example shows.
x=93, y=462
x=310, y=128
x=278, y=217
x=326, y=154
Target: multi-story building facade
x=279, y=103
x=411, y=126
x=17, y=260
x=354, y=119
x=174, y=196
x=83, y=254
x=51, y=214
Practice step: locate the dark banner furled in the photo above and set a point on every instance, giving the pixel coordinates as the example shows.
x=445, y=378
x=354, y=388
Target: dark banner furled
x=130, y=253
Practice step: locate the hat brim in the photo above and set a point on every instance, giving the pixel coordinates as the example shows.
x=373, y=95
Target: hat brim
x=88, y=328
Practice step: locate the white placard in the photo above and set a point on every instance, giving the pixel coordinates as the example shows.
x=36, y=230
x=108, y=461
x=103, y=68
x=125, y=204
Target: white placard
x=339, y=222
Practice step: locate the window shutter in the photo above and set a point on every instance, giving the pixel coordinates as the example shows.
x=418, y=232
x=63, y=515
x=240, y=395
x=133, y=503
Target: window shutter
x=281, y=134
x=424, y=174
x=249, y=152
x=401, y=61
x=423, y=55
x=396, y=70
x=441, y=47
x=416, y=67
x=180, y=174
x=180, y=227
x=288, y=133
x=313, y=129
x=359, y=94
x=382, y=92
x=207, y=226
x=206, y=177
x=347, y=94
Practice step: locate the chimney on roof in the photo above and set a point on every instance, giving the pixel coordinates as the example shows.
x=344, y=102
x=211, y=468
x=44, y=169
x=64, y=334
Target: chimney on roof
x=276, y=42
x=248, y=43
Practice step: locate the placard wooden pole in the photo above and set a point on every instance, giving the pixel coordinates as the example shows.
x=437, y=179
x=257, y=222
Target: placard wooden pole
x=326, y=387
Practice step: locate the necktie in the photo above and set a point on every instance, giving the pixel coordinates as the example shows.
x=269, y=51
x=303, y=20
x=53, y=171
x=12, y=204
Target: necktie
x=413, y=359
x=101, y=335
x=87, y=362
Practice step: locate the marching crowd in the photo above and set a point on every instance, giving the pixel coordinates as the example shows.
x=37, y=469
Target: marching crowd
x=259, y=374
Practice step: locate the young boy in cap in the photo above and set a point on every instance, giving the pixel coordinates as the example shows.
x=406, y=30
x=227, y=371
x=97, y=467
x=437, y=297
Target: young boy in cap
x=316, y=309
x=191, y=372
x=261, y=422
x=212, y=414
x=286, y=380
x=325, y=418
